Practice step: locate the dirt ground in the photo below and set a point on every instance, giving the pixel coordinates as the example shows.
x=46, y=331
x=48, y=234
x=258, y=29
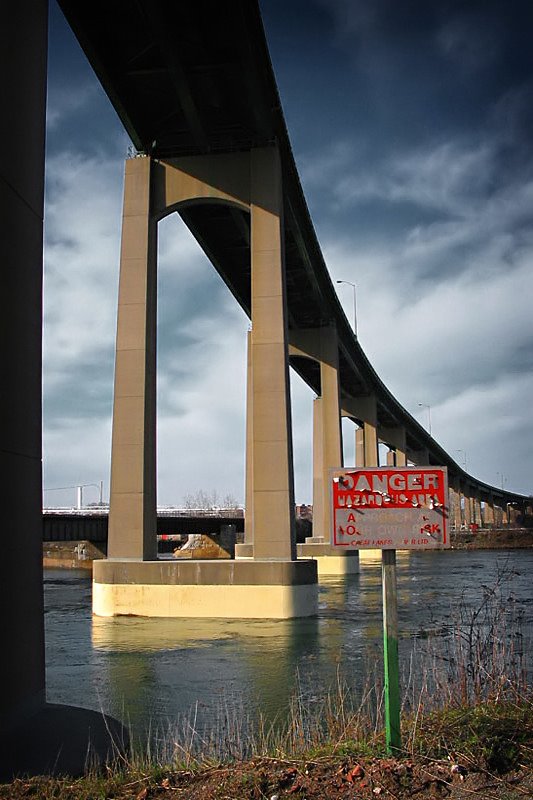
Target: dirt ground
x=322, y=779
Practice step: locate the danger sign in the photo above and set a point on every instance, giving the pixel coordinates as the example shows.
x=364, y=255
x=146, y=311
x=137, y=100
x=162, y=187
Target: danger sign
x=400, y=508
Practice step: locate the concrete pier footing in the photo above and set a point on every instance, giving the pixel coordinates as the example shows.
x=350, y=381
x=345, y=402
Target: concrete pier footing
x=329, y=560
x=251, y=589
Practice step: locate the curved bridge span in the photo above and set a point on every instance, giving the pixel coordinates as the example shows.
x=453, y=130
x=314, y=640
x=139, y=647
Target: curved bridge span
x=194, y=87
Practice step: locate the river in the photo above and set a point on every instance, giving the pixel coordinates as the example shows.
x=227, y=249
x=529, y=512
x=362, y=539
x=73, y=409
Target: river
x=151, y=672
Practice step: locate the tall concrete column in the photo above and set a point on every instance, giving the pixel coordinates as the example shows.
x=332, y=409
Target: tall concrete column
x=476, y=509
x=395, y=439
x=359, y=447
x=330, y=448
x=132, y=513
x=401, y=458
x=364, y=410
x=249, y=490
x=273, y=482
x=23, y=41
x=366, y=446
x=371, y=444
x=468, y=511
x=318, y=465
x=455, y=507
x=488, y=519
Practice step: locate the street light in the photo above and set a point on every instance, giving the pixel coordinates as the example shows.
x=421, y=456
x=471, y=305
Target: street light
x=353, y=285
x=425, y=405
x=79, y=493
x=464, y=457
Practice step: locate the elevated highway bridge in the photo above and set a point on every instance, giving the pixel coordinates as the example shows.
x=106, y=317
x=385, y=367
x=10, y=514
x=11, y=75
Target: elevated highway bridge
x=193, y=85
x=193, y=81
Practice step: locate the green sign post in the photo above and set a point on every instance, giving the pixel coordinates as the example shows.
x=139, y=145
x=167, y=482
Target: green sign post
x=390, y=508
x=390, y=651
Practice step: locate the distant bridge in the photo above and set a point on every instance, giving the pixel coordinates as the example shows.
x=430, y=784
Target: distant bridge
x=70, y=525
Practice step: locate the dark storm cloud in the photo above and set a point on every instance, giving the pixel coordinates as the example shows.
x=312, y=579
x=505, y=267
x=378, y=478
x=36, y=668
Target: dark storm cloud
x=82, y=393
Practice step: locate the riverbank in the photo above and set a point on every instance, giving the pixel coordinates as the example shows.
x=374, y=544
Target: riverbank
x=482, y=751
x=498, y=539
x=80, y=555
x=71, y=555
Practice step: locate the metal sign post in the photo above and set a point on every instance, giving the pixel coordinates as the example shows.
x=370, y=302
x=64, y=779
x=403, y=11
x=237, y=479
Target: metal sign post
x=389, y=508
x=390, y=651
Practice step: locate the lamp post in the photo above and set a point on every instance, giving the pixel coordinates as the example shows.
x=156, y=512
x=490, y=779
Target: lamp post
x=503, y=479
x=353, y=285
x=425, y=405
x=79, y=491
x=464, y=457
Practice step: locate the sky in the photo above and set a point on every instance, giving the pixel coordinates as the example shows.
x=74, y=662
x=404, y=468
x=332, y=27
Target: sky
x=411, y=125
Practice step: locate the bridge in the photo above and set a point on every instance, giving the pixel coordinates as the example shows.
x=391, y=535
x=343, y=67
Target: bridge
x=91, y=524
x=203, y=112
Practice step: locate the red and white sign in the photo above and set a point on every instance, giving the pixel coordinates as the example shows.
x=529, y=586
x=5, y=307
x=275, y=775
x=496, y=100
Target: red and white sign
x=396, y=508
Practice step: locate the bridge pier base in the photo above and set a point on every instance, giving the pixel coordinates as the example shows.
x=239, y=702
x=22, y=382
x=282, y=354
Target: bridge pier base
x=328, y=560
x=245, y=589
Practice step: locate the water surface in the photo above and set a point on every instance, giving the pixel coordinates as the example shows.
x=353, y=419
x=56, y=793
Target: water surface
x=152, y=671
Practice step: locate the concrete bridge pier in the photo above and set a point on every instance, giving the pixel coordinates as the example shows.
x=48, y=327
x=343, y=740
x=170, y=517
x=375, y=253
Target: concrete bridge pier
x=271, y=583
x=321, y=345
x=36, y=737
x=363, y=411
x=455, y=506
x=468, y=517
x=488, y=512
x=395, y=439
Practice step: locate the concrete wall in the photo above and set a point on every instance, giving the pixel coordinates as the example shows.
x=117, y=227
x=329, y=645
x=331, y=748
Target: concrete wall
x=23, y=43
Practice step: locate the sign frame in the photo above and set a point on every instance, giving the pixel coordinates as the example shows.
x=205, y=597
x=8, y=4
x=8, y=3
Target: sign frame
x=390, y=508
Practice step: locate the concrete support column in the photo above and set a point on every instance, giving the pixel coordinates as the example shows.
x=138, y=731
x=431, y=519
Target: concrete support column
x=401, y=458
x=366, y=437
x=371, y=444
x=321, y=345
x=318, y=463
x=476, y=510
x=359, y=447
x=329, y=429
x=455, y=508
x=488, y=512
x=132, y=513
x=23, y=42
x=366, y=446
x=249, y=489
x=468, y=509
x=395, y=439
x=273, y=487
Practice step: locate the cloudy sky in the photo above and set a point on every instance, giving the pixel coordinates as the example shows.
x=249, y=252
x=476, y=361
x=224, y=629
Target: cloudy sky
x=411, y=125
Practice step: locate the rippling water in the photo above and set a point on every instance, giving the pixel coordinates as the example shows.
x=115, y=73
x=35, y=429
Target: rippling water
x=151, y=671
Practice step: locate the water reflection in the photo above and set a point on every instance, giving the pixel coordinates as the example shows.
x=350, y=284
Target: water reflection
x=263, y=675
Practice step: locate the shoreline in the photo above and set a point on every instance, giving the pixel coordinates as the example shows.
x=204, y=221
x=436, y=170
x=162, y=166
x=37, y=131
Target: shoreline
x=81, y=554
